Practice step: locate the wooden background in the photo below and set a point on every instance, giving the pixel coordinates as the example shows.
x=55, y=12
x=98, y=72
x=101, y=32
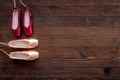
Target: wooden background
x=78, y=40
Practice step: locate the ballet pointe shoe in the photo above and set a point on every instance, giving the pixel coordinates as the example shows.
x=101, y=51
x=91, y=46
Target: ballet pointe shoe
x=24, y=55
x=24, y=43
x=27, y=22
x=15, y=22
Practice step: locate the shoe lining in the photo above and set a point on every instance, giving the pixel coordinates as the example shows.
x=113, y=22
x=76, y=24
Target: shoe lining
x=20, y=44
x=27, y=19
x=15, y=19
x=19, y=55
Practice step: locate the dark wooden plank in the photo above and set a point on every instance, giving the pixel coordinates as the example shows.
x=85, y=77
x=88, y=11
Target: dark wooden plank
x=70, y=11
x=77, y=21
x=77, y=11
x=85, y=53
x=37, y=78
x=73, y=2
x=44, y=72
x=63, y=2
x=79, y=35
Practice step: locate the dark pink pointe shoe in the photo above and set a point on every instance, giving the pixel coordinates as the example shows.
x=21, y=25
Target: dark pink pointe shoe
x=27, y=22
x=15, y=22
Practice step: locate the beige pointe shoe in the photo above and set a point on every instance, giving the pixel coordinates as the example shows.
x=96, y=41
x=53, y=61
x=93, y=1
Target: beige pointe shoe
x=23, y=43
x=24, y=55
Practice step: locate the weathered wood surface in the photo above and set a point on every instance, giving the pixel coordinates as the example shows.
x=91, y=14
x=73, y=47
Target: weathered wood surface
x=79, y=40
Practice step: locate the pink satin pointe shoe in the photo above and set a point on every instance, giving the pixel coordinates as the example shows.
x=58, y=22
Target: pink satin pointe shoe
x=23, y=43
x=27, y=22
x=15, y=22
x=24, y=55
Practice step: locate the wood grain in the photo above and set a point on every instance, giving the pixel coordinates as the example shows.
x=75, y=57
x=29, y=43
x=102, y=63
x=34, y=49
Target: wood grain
x=69, y=11
x=79, y=40
x=69, y=21
x=64, y=2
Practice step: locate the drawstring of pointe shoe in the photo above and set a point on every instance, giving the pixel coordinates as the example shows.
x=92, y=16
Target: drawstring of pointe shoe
x=2, y=43
x=14, y=1
x=4, y=52
x=23, y=3
x=15, y=5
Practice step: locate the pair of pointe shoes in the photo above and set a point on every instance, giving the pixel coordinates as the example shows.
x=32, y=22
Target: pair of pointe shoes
x=24, y=44
x=26, y=23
